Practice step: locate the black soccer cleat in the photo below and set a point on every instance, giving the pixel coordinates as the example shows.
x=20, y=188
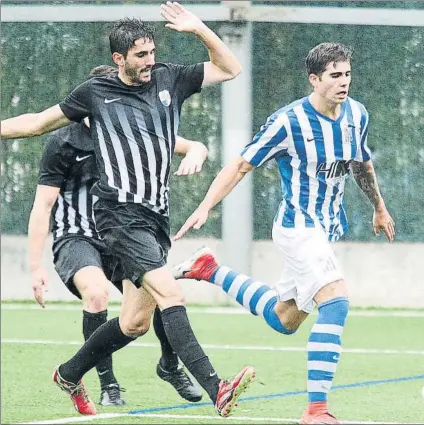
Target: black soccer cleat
x=111, y=395
x=181, y=382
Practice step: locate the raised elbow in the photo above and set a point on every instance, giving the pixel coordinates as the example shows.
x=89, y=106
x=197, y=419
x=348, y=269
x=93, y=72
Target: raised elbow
x=235, y=71
x=243, y=166
x=238, y=70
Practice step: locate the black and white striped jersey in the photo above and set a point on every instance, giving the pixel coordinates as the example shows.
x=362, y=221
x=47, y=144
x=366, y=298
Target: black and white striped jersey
x=134, y=130
x=68, y=162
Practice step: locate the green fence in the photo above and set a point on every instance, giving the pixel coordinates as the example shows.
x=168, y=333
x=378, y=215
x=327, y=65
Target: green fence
x=42, y=62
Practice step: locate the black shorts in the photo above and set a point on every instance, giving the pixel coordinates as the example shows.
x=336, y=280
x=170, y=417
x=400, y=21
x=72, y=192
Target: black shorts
x=136, y=236
x=73, y=252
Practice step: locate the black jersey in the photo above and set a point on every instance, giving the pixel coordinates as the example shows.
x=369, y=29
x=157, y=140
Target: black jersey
x=134, y=129
x=68, y=162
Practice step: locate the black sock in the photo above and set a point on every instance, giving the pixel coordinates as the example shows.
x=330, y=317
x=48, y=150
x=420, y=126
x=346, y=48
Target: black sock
x=90, y=322
x=182, y=339
x=104, y=341
x=169, y=359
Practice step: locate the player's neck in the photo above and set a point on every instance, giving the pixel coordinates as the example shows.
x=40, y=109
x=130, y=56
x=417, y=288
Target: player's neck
x=329, y=109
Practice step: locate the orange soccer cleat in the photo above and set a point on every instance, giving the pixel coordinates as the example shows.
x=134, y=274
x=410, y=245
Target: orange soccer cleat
x=230, y=390
x=201, y=266
x=77, y=392
x=317, y=413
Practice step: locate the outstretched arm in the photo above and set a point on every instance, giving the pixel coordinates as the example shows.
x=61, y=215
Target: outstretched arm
x=195, y=154
x=226, y=180
x=366, y=179
x=223, y=65
x=28, y=125
x=38, y=230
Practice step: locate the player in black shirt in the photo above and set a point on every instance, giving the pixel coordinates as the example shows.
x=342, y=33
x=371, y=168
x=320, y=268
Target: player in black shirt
x=68, y=171
x=134, y=119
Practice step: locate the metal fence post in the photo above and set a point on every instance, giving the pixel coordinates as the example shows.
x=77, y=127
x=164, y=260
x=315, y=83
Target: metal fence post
x=237, y=219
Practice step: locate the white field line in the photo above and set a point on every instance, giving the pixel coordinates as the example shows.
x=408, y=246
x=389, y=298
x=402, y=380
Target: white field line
x=213, y=310
x=215, y=418
x=221, y=347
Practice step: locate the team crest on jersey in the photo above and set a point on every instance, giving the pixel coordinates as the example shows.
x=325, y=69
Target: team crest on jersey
x=348, y=134
x=165, y=97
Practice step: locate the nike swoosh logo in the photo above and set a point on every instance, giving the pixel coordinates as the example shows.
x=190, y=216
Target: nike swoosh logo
x=212, y=374
x=81, y=158
x=310, y=140
x=102, y=373
x=112, y=100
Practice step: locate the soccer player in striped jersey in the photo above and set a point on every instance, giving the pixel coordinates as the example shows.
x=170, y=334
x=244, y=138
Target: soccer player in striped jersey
x=316, y=141
x=67, y=173
x=134, y=118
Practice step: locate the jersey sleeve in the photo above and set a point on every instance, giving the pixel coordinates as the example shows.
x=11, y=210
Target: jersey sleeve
x=55, y=162
x=189, y=79
x=271, y=139
x=363, y=153
x=76, y=105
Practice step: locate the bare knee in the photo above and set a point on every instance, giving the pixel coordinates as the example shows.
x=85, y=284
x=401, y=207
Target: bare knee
x=136, y=310
x=291, y=322
x=93, y=287
x=290, y=317
x=95, y=299
x=134, y=327
x=330, y=291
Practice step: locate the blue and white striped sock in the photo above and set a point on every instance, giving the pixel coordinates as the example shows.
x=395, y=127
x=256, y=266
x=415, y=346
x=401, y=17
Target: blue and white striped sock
x=324, y=347
x=255, y=296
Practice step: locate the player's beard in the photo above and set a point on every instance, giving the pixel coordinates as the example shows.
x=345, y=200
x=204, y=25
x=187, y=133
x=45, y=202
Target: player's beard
x=134, y=75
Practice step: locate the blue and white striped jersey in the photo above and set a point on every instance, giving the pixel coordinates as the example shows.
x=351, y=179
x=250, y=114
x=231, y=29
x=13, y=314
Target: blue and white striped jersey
x=313, y=153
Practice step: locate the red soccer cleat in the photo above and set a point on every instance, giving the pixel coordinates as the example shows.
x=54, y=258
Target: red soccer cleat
x=317, y=413
x=230, y=390
x=77, y=392
x=201, y=266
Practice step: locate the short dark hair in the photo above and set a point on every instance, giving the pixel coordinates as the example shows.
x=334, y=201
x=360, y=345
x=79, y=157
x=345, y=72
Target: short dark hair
x=126, y=31
x=102, y=71
x=325, y=53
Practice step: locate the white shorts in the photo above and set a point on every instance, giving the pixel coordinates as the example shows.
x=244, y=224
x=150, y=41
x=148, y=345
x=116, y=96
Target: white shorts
x=309, y=264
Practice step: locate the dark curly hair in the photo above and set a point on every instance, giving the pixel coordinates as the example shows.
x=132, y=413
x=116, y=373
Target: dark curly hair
x=125, y=32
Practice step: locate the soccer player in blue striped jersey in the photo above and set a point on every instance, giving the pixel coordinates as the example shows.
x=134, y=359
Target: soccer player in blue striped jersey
x=317, y=141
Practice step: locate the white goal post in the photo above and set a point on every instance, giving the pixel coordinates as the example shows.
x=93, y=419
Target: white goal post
x=228, y=11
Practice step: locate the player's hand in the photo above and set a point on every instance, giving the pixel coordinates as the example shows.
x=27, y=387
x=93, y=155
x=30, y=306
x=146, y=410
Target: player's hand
x=179, y=18
x=195, y=221
x=39, y=284
x=383, y=221
x=190, y=164
x=193, y=161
